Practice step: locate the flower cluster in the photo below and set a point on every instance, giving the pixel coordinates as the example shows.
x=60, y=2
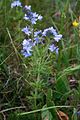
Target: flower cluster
x=55, y=37
x=51, y=31
x=28, y=44
x=31, y=16
x=38, y=36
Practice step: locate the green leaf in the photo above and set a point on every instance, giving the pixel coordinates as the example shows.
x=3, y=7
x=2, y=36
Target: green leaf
x=62, y=85
x=49, y=101
x=46, y=115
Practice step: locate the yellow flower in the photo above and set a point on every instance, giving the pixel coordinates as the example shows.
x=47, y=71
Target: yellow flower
x=75, y=23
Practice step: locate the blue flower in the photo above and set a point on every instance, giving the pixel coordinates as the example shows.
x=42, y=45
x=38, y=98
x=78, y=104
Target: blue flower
x=29, y=17
x=49, y=31
x=27, y=7
x=37, y=33
x=26, y=17
x=37, y=40
x=33, y=21
x=38, y=36
x=40, y=17
x=53, y=48
x=35, y=15
x=27, y=47
x=25, y=53
x=57, y=50
x=32, y=17
x=57, y=37
x=27, y=31
x=16, y=3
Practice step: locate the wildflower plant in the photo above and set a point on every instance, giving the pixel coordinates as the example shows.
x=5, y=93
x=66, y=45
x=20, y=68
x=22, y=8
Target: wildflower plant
x=38, y=45
x=39, y=70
